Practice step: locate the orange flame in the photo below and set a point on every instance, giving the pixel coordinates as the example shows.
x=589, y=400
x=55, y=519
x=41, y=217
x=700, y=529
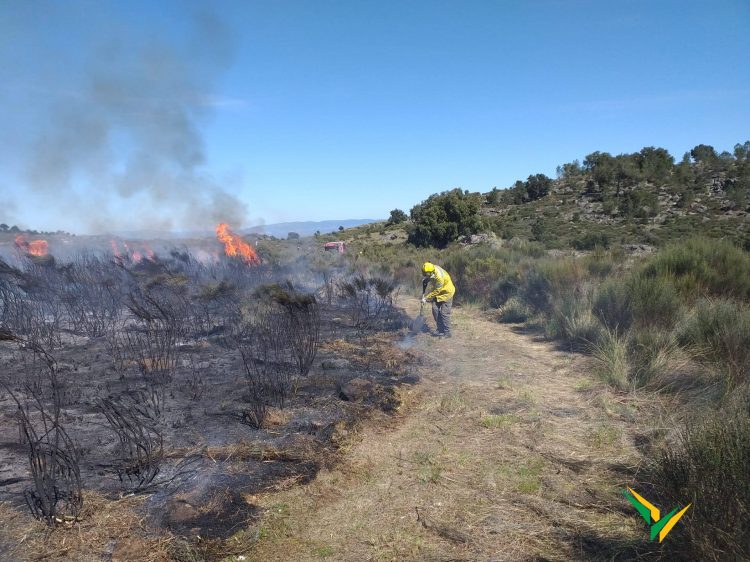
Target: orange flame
x=131, y=255
x=235, y=246
x=33, y=248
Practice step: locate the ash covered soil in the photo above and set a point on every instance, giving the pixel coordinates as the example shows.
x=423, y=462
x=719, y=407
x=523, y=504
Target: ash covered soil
x=221, y=424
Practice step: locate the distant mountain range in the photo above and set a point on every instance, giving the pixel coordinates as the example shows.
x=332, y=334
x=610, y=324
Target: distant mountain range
x=304, y=228
x=280, y=230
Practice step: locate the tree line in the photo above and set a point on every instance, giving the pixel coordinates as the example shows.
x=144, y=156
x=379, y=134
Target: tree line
x=626, y=183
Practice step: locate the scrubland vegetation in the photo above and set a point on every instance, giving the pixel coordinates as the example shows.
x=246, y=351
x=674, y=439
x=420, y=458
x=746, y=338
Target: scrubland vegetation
x=565, y=258
x=596, y=261
x=676, y=321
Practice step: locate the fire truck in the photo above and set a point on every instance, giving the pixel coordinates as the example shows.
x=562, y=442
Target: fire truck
x=339, y=247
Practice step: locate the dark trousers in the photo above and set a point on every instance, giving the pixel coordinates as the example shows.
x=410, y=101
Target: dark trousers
x=441, y=312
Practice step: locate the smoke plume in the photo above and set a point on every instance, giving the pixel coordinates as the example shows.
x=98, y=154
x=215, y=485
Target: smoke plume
x=125, y=150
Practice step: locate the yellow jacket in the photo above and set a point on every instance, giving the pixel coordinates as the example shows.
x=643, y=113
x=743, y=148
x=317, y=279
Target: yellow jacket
x=442, y=285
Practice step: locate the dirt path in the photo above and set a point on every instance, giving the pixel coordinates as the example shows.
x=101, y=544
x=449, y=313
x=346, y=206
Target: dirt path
x=505, y=451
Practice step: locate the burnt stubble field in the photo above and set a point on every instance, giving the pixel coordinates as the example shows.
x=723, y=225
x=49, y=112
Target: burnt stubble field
x=192, y=383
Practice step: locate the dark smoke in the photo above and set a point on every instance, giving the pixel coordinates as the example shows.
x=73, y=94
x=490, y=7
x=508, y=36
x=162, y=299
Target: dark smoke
x=126, y=150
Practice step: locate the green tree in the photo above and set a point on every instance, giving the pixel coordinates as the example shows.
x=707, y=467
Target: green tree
x=442, y=218
x=4, y=227
x=742, y=151
x=627, y=171
x=704, y=153
x=292, y=236
x=570, y=170
x=656, y=164
x=518, y=192
x=397, y=217
x=601, y=166
x=537, y=186
x=493, y=197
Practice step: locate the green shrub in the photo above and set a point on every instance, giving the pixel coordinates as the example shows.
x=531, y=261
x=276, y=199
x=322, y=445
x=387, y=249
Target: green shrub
x=600, y=263
x=574, y=323
x=704, y=267
x=514, y=310
x=548, y=281
x=654, y=301
x=709, y=467
x=591, y=240
x=650, y=353
x=718, y=332
x=442, y=218
x=612, y=306
x=486, y=275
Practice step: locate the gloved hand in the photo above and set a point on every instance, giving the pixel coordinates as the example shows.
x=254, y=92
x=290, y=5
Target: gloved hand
x=424, y=300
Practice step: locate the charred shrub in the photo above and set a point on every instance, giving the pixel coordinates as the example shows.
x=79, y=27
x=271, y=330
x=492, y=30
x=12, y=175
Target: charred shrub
x=267, y=362
x=302, y=318
x=215, y=305
x=153, y=347
x=55, y=494
x=92, y=293
x=135, y=420
x=369, y=301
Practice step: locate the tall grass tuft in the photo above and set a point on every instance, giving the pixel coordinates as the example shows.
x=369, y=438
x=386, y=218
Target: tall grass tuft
x=654, y=301
x=611, y=359
x=514, y=310
x=718, y=333
x=704, y=267
x=651, y=353
x=709, y=467
x=612, y=306
x=575, y=323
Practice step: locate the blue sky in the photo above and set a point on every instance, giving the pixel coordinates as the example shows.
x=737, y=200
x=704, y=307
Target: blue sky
x=175, y=114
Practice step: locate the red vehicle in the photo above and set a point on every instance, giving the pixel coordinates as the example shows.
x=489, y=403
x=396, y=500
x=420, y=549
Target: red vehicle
x=339, y=247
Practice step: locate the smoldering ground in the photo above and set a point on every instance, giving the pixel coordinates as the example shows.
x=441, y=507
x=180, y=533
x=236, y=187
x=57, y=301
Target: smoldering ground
x=121, y=146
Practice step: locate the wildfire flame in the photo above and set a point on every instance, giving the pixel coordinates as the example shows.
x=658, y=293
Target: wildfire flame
x=33, y=248
x=235, y=246
x=131, y=255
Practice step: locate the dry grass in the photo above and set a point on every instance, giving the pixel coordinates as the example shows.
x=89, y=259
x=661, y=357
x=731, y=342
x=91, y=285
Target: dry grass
x=472, y=468
x=503, y=449
x=108, y=529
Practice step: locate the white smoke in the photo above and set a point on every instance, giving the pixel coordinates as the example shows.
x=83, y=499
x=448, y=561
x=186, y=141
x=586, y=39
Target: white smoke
x=125, y=149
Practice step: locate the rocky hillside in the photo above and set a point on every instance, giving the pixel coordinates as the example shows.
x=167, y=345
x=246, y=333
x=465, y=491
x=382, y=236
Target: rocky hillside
x=627, y=199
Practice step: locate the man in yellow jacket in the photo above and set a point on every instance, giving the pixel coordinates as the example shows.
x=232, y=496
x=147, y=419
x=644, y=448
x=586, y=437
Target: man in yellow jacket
x=441, y=296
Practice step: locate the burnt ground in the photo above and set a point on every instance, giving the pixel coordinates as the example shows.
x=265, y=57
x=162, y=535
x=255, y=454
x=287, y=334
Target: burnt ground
x=214, y=462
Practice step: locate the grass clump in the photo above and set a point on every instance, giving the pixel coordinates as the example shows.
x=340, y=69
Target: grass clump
x=605, y=436
x=612, y=306
x=496, y=421
x=651, y=353
x=514, y=311
x=453, y=403
x=709, y=467
x=653, y=301
x=611, y=359
x=718, y=332
x=704, y=267
x=525, y=477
